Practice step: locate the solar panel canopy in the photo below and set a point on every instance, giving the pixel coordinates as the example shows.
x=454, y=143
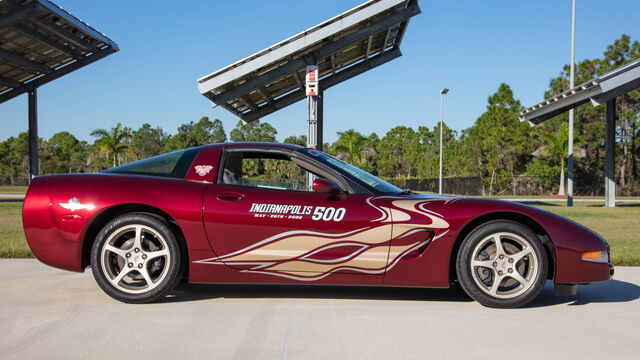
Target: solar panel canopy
x=342, y=47
x=599, y=90
x=40, y=42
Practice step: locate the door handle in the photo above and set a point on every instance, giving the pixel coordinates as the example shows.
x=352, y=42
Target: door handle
x=230, y=196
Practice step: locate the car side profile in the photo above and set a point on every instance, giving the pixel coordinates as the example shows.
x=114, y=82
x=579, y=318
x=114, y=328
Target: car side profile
x=243, y=213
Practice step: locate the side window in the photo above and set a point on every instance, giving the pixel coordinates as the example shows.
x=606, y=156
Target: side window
x=264, y=170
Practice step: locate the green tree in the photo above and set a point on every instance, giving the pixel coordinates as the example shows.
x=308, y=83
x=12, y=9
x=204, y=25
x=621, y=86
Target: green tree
x=63, y=153
x=147, y=141
x=14, y=159
x=199, y=133
x=296, y=140
x=112, y=143
x=557, y=148
x=504, y=142
x=254, y=131
x=397, y=153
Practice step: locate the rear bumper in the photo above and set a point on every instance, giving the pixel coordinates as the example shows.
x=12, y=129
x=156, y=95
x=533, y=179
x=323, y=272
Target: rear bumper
x=42, y=232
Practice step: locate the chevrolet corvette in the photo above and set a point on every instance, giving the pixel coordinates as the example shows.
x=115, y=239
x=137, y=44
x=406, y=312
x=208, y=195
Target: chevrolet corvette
x=244, y=213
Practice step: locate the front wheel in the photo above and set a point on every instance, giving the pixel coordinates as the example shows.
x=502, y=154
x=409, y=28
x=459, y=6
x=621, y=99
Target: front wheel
x=502, y=264
x=136, y=258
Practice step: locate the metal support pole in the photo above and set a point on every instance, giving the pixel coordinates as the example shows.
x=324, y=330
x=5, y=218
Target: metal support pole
x=33, y=135
x=312, y=122
x=610, y=155
x=571, y=85
x=320, y=121
x=442, y=92
x=312, y=130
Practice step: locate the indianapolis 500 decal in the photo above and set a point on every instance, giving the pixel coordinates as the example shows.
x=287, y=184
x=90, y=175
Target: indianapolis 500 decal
x=279, y=211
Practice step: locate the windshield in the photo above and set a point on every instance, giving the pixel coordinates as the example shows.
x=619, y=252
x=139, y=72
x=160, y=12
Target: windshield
x=377, y=185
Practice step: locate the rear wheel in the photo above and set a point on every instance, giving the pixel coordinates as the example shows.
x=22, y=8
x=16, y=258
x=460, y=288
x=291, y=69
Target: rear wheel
x=136, y=258
x=502, y=264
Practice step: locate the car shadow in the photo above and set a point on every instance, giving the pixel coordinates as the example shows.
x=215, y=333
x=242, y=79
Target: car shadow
x=613, y=291
x=195, y=292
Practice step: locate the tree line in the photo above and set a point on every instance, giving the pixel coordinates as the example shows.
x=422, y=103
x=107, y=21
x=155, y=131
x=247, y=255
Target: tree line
x=498, y=149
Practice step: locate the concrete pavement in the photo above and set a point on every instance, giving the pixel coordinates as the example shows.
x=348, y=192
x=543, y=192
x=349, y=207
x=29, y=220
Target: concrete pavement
x=54, y=314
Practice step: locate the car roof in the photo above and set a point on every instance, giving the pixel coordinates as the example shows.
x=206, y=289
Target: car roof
x=258, y=144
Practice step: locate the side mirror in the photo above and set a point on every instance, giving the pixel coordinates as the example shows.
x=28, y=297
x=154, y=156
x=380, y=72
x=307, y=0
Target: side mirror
x=324, y=186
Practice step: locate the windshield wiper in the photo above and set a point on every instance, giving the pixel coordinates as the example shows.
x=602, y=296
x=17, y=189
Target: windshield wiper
x=406, y=192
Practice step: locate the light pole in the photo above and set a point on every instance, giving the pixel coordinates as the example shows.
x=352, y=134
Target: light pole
x=571, y=84
x=442, y=92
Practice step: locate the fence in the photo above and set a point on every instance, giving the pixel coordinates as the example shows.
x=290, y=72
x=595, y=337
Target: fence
x=517, y=186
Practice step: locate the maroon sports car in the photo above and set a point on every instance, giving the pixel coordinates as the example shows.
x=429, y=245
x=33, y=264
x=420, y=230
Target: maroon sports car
x=243, y=213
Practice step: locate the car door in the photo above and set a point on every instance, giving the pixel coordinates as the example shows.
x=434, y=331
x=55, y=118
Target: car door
x=260, y=217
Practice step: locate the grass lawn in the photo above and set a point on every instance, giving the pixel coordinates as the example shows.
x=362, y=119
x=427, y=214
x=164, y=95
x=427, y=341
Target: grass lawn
x=13, y=189
x=12, y=241
x=620, y=226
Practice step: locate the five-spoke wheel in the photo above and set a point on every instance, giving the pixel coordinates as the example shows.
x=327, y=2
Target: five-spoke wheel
x=136, y=258
x=502, y=264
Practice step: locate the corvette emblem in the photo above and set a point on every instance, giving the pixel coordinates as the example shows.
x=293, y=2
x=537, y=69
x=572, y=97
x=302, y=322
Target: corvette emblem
x=74, y=204
x=203, y=170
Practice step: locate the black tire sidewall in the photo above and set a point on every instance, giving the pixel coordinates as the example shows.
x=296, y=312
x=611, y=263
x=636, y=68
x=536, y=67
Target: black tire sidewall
x=174, y=273
x=466, y=252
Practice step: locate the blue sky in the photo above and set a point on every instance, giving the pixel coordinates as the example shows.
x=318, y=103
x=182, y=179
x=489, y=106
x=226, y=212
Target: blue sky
x=468, y=46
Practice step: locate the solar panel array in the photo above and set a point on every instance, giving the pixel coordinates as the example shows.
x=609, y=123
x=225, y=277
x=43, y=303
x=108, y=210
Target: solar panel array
x=40, y=42
x=610, y=85
x=345, y=46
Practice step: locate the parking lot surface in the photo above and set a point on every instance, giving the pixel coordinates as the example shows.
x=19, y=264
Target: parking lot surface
x=54, y=314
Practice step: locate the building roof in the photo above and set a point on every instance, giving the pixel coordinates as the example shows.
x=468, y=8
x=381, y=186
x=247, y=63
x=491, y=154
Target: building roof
x=347, y=45
x=40, y=42
x=599, y=90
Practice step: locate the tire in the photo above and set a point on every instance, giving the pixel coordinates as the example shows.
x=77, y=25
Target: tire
x=136, y=258
x=506, y=276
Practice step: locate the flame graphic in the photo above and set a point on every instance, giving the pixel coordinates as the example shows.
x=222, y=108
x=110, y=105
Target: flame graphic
x=290, y=254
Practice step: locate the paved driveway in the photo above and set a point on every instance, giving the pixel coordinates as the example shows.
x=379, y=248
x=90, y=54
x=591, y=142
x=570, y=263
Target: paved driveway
x=49, y=313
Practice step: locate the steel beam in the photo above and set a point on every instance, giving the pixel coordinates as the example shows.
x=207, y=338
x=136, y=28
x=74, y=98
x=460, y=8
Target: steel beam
x=609, y=158
x=24, y=61
x=265, y=94
x=33, y=135
x=19, y=15
x=43, y=39
x=86, y=60
x=296, y=77
x=8, y=82
x=72, y=39
x=385, y=41
x=79, y=25
x=333, y=63
x=314, y=56
x=245, y=100
x=324, y=84
x=368, y=51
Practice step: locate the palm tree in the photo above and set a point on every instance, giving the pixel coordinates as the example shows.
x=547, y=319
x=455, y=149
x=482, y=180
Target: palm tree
x=350, y=143
x=558, y=146
x=112, y=143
